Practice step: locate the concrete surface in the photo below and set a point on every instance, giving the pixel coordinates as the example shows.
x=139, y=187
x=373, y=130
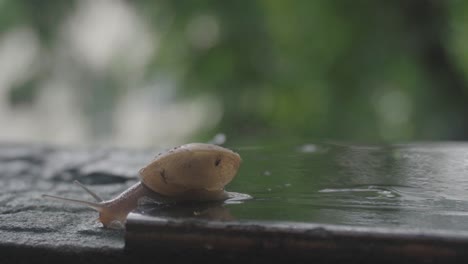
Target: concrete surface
x=31, y=226
x=37, y=230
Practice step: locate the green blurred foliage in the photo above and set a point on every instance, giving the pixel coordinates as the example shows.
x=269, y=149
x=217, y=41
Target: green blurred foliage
x=356, y=70
x=329, y=69
x=44, y=16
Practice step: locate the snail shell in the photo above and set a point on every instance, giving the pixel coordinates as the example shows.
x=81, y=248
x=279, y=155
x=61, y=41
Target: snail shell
x=195, y=171
x=191, y=167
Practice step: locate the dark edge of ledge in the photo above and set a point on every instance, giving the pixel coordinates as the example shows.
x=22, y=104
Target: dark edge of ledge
x=291, y=242
x=15, y=253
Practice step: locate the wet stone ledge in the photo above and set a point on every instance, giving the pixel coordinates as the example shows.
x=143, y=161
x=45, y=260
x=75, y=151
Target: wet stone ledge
x=37, y=230
x=33, y=228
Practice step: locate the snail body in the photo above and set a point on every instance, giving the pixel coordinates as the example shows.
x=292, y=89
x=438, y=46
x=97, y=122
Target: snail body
x=191, y=172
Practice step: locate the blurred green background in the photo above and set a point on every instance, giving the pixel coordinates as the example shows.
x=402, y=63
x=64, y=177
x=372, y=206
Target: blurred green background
x=142, y=73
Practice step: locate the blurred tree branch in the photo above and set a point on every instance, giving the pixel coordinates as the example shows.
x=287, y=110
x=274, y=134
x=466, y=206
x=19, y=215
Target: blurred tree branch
x=427, y=24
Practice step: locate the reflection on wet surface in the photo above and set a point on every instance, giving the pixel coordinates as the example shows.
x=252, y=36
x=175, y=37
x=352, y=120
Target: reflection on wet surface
x=410, y=186
x=212, y=210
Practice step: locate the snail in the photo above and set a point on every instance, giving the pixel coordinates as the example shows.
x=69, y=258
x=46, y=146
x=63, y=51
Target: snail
x=191, y=172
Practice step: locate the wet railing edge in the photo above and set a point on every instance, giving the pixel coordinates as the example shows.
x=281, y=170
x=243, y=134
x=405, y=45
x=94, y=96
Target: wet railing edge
x=297, y=240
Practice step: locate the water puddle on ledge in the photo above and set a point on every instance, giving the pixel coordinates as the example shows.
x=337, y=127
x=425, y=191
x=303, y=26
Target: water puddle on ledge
x=421, y=186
